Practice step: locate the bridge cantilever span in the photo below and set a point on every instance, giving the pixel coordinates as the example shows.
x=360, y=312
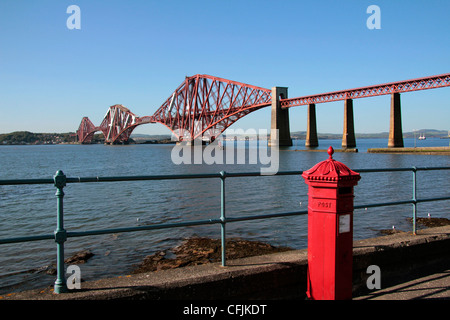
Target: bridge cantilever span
x=203, y=107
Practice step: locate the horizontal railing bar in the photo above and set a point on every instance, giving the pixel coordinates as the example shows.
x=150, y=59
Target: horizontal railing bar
x=183, y=224
x=431, y=168
x=267, y=216
x=195, y=176
x=154, y=227
x=142, y=178
x=143, y=228
x=394, y=203
x=382, y=170
x=400, y=169
x=172, y=177
x=383, y=204
x=26, y=181
x=26, y=239
x=257, y=173
x=433, y=199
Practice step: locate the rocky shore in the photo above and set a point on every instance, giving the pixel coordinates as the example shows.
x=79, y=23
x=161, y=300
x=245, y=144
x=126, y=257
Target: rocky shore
x=195, y=251
x=428, y=222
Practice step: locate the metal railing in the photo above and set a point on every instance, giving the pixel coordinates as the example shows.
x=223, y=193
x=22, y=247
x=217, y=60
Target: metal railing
x=60, y=234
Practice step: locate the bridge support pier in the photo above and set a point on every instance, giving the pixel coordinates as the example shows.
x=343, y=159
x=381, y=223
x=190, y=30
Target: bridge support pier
x=280, y=119
x=311, y=128
x=395, y=127
x=348, y=137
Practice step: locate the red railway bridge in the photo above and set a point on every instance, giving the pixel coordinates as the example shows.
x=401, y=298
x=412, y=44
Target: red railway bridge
x=203, y=107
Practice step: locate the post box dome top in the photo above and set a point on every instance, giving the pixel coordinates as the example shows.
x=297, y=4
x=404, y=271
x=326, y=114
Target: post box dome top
x=331, y=170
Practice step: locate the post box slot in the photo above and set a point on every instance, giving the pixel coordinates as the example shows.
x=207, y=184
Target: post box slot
x=345, y=190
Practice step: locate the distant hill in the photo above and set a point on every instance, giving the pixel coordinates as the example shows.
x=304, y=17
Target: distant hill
x=26, y=137
x=429, y=133
x=139, y=137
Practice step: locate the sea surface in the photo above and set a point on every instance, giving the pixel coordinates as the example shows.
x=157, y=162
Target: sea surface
x=27, y=210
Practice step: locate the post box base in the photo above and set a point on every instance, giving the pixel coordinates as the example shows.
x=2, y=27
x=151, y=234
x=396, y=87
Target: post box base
x=330, y=256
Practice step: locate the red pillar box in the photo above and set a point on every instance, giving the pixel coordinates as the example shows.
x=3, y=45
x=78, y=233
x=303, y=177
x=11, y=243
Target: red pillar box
x=330, y=229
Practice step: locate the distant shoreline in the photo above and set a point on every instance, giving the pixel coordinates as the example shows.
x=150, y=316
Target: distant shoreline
x=417, y=150
x=30, y=138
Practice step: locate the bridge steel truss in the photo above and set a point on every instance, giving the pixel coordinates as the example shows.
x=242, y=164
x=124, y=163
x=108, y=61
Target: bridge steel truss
x=86, y=131
x=118, y=124
x=432, y=82
x=203, y=107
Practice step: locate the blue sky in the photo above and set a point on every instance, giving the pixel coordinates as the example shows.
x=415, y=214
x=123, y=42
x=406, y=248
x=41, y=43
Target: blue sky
x=136, y=53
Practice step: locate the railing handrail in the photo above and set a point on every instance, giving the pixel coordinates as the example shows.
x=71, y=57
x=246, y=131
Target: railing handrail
x=194, y=176
x=60, y=235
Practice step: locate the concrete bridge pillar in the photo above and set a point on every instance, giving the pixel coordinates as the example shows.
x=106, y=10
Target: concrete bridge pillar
x=395, y=127
x=280, y=119
x=311, y=127
x=348, y=137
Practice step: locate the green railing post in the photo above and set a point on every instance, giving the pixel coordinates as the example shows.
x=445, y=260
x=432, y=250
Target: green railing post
x=222, y=216
x=60, y=234
x=414, y=199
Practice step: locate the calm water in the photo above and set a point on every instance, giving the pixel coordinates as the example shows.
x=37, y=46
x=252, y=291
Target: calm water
x=31, y=210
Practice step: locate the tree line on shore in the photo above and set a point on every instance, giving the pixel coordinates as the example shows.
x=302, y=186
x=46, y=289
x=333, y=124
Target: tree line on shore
x=27, y=138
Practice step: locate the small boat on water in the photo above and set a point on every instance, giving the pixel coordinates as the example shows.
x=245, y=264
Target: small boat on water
x=422, y=137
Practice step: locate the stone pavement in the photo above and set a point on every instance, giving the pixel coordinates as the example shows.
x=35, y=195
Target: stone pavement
x=434, y=286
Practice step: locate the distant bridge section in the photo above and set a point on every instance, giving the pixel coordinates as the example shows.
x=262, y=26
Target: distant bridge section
x=432, y=82
x=393, y=88
x=116, y=126
x=86, y=130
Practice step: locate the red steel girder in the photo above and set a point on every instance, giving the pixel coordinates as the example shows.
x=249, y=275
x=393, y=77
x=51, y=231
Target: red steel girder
x=118, y=124
x=86, y=130
x=204, y=106
x=431, y=82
